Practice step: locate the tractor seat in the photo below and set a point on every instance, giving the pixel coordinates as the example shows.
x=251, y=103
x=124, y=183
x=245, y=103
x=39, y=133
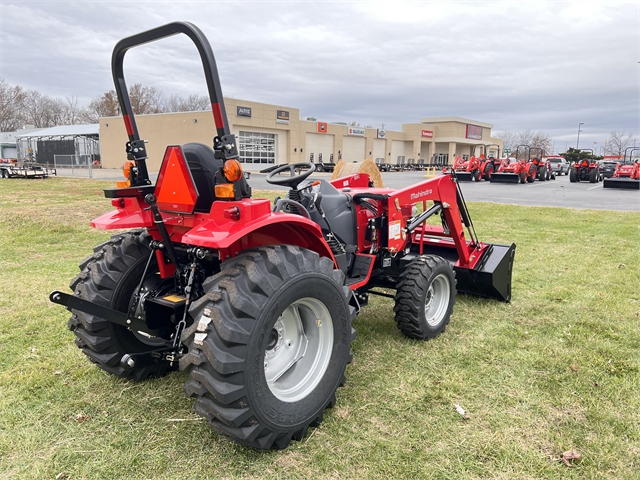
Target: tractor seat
x=204, y=166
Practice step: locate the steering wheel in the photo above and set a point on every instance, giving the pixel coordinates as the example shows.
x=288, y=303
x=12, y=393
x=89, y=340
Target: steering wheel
x=294, y=180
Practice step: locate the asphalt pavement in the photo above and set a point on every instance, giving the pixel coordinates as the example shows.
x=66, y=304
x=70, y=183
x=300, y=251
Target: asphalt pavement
x=552, y=193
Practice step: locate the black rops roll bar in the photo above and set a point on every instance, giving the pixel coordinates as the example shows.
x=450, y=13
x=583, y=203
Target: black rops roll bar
x=633, y=149
x=536, y=148
x=224, y=142
x=526, y=148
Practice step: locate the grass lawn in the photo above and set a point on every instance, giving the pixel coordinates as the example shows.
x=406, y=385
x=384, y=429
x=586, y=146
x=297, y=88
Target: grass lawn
x=556, y=369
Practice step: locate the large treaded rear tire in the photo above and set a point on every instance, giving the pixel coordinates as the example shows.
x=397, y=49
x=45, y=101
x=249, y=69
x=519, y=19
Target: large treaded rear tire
x=488, y=171
x=594, y=176
x=109, y=278
x=236, y=338
x=573, y=176
x=425, y=296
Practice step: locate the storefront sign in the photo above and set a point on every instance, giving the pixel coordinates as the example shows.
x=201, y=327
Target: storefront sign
x=243, y=111
x=323, y=127
x=356, y=131
x=282, y=116
x=427, y=133
x=381, y=133
x=474, y=132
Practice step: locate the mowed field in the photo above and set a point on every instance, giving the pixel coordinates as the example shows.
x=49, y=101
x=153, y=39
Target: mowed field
x=554, y=371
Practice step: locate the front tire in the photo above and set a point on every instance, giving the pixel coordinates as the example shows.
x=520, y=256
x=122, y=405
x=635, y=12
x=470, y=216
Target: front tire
x=109, y=277
x=425, y=296
x=269, y=345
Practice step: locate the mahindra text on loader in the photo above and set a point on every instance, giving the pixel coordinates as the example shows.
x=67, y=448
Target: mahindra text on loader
x=257, y=301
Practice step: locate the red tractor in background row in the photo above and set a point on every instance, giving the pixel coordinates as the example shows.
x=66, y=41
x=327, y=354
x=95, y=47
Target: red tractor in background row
x=256, y=301
x=477, y=168
x=516, y=169
x=585, y=170
x=626, y=174
x=543, y=166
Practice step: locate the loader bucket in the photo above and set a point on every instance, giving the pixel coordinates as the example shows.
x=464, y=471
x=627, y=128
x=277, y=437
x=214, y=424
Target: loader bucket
x=626, y=183
x=492, y=275
x=464, y=176
x=505, y=178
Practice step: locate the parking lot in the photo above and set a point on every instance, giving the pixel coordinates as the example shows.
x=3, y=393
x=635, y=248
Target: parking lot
x=554, y=193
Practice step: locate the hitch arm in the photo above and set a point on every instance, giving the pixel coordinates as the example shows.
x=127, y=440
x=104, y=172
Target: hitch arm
x=109, y=314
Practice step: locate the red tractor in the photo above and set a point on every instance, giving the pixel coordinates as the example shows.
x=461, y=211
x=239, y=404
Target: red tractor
x=585, y=170
x=476, y=168
x=543, y=165
x=256, y=301
x=516, y=169
x=626, y=174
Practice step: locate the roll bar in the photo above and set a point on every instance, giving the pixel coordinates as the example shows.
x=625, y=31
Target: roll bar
x=224, y=142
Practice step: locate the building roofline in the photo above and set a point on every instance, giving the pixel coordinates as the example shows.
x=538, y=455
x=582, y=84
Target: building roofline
x=436, y=120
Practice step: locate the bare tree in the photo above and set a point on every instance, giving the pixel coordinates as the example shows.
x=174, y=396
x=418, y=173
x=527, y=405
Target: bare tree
x=193, y=103
x=104, y=106
x=11, y=100
x=617, y=143
x=40, y=110
x=145, y=99
x=511, y=140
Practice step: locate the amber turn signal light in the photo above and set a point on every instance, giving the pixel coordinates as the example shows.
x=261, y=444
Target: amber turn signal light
x=232, y=170
x=225, y=190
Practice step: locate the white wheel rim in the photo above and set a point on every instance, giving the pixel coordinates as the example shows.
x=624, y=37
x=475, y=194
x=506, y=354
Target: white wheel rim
x=299, y=349
x=436, y=301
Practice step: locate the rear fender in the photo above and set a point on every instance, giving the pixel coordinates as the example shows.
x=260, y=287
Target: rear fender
x=132, y=212
x=274, y=229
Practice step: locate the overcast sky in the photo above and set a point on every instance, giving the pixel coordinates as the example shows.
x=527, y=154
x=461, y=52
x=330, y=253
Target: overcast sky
x=542, y=66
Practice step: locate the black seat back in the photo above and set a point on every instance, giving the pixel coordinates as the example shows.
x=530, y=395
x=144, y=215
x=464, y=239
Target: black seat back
x=203, y=165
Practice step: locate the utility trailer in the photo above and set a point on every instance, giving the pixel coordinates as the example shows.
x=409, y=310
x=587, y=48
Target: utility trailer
x=24, y=170
x=256, y=301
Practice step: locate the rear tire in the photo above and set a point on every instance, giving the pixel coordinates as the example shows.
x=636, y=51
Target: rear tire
x=488, y=171
x=425, y=297
x=594, y=176
x=573, y=176
x=543, y=174
x=109, y=277
x=269, y=345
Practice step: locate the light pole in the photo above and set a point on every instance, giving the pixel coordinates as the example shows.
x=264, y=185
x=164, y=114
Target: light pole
x=579, y=130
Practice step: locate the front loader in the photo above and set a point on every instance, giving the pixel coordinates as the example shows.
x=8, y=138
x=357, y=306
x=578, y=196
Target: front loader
x=256, y=301
x=477, y=168
x=626, y=174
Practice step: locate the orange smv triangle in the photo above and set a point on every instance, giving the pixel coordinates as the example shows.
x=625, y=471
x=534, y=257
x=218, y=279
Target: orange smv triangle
x=175, y=189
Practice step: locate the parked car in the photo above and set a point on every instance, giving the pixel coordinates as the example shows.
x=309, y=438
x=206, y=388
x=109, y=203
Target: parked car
x=559, y=165
x=607, y=167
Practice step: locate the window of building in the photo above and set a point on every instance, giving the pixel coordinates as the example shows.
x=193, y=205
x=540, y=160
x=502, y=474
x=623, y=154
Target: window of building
x=257, y=147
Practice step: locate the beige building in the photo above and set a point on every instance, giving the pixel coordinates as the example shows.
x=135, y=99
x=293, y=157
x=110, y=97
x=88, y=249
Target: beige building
x=275, y=134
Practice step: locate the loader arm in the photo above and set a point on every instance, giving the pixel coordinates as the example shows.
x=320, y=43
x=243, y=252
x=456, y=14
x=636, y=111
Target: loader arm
x=441, y=190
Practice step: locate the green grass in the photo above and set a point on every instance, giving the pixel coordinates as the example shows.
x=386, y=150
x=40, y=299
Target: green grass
x=556, y=369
